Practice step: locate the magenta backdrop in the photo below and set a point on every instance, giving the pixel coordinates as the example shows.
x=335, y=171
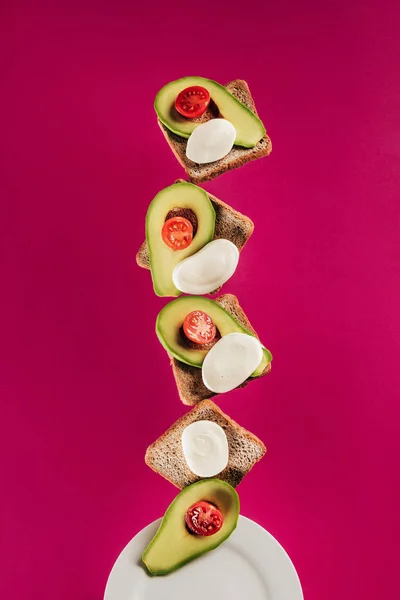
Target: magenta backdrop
x=85, y=386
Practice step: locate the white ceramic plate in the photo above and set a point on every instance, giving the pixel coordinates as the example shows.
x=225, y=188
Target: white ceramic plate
x=250, y=564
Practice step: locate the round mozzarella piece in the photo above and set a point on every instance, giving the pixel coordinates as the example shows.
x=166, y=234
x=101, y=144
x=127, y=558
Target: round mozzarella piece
x=231, y=361
x=211, y=141
x=205, y=448
x=206, y=270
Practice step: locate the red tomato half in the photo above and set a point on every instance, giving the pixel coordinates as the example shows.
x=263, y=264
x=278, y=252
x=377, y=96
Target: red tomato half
x=192, y=101
x=177, y=233
x=204, y=518
x=199, y=327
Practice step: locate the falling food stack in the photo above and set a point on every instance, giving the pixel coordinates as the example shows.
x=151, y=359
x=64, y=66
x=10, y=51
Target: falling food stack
x=193, y=246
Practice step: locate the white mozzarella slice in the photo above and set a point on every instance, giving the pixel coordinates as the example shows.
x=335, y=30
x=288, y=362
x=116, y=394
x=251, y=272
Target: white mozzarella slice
x=231, y=361
x=207, y=269
x=205, y=448
x=211, y=141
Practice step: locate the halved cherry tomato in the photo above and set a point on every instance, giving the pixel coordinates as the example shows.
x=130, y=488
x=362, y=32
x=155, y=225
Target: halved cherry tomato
x=192, y=101
x=199, y=327
x=204, y=518
x=177, y=233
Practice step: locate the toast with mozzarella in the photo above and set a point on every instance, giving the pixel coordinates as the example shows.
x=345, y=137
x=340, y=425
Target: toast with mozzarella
x=167, y=458
x=237, y=157
x=230, y=224
x=189, y=378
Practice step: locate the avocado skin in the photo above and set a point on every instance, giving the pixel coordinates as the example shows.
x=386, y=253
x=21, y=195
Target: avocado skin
x=173, y=546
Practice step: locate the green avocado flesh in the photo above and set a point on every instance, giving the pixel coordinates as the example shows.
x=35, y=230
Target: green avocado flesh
x=169, y=324
x=173, y=546
x=163, y=259
x=249, y=128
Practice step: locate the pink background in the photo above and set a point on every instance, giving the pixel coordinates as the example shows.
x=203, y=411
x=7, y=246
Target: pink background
x=85, y=386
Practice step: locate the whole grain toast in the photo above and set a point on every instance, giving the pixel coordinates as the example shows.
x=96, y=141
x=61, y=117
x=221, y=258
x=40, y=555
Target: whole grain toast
x=237, y=156
x=189, y=379
x=165, y=456
x=229, y=224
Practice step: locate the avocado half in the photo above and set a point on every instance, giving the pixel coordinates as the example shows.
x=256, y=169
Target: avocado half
x=169, y=324
x=163, y=259
x=173, y=545
x=249, y=128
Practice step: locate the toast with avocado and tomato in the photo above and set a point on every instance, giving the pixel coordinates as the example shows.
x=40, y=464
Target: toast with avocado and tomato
x=227, y=450
x=193, y=240
x=184, y=109
x=212, y=346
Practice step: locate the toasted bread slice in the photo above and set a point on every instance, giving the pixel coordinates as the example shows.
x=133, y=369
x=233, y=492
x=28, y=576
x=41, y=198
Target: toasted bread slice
x=237, y=156
x=165, y=456
x=189, y=379
x=229, y=224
